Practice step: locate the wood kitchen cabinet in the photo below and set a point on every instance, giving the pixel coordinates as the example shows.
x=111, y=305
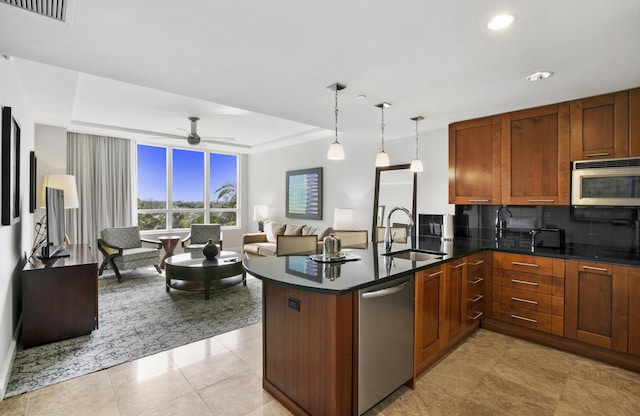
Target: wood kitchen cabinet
x=600, y=127
x=430, y=331
x=634, y=122
x=634, y=310
x=456, y=297
x=536, y=156
x=529, y=291
x=597, y=304
x=474, y=161
x=478, y=276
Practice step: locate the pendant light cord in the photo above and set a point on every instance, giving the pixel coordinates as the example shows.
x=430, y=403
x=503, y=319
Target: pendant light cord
x=382, y=127
x=417, y=138
x=336, y=113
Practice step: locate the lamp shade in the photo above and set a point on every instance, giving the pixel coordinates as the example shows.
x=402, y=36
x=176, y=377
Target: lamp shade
x=336, y=151
x=260, y=212
x=416, y=166
x=65, y=182
x=343, y=219
x=382, y=159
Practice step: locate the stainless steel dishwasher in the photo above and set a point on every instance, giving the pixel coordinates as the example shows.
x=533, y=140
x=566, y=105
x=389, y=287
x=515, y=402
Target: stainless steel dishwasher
x=385, y=340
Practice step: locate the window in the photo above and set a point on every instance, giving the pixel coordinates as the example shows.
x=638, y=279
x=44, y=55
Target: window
x=173, y=185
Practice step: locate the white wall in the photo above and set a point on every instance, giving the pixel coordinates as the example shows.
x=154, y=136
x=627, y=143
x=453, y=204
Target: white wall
x=15, y=240
x=349, y=183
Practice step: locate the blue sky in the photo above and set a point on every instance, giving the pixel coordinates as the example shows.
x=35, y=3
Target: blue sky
x=188, y=173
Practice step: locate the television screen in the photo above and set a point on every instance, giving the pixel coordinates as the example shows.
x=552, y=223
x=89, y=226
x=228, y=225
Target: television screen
x=55, y=246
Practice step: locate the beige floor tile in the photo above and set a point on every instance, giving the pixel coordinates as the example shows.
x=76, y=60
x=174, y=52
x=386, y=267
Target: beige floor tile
x=210, y=370
x=497, y=396
x=403, y=401
x=614, y=377
x=251, y=354
x=248, y=335
x=236, y=396
x=273, y=408
x=482, y=350
x=196, y=351
x=146, y=394
x=141, y=369
x=592, y=398
x=191, y=405
x=456, y=378
x=14, y=406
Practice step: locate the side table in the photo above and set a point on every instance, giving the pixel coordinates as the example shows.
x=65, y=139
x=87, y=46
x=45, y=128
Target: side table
x=169, y=243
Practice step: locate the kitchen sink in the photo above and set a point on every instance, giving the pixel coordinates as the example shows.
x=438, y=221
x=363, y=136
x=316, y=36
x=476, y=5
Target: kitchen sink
x=416, y=255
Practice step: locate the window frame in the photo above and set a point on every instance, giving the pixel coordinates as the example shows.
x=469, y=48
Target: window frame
x=169, y=210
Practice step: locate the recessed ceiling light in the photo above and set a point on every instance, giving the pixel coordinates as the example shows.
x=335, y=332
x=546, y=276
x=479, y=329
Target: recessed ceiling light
x=361, y=97
x=539, y=75
x=501, y=21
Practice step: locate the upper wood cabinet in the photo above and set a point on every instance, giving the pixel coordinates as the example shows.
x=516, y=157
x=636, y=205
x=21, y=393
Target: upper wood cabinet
x=634, y=122
x=536, y=156
x=474, y=161
x=600, y=127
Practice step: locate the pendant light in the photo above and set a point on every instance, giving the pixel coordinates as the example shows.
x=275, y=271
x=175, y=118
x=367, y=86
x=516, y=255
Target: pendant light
x=382, y=159
x=336, y=151
x=416, y=164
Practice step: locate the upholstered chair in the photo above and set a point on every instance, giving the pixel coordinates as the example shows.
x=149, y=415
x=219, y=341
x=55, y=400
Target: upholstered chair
x=398, y=234
x=122, y=248
x=199, y=235
x=352, y=238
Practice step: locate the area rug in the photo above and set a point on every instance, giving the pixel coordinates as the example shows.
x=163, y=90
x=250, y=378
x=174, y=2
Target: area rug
x=137, y=318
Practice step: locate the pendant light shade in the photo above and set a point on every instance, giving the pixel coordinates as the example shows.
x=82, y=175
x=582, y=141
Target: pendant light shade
x=416, y=164
x=382, y=159
x=336, y=151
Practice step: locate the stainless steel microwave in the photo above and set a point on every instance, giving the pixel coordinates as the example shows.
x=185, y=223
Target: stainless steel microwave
x=613, y=182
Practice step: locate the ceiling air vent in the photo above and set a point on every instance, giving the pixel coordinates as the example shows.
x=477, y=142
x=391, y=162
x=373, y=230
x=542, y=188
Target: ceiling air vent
x=56, y=9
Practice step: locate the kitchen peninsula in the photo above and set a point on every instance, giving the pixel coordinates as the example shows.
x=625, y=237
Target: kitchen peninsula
x=311, y=354
x=312, y=362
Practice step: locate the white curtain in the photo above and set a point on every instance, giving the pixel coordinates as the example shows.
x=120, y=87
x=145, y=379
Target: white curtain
x=102, y=167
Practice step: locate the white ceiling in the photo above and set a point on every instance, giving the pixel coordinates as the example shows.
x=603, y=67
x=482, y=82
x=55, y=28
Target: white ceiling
x=258, y=70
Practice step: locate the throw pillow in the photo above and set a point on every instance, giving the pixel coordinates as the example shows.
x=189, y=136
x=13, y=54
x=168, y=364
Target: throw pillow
x=273, y=230
x=293, y=229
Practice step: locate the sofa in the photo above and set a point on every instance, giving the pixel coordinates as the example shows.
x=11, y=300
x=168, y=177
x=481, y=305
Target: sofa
x=265, y=244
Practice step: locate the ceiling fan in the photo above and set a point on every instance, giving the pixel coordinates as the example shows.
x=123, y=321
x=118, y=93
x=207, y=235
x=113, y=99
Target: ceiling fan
x=194, y=138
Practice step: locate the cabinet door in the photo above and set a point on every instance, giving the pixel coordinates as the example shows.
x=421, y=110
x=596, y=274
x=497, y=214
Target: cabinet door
x=597, y=304
x=600, y=127
x=456, y=292
x=634, y=310
x=634, y=122
x=429, y=318
x=474, y=161
x=535, y=156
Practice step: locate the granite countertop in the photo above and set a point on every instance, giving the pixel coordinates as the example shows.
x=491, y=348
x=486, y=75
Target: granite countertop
x=371, y=267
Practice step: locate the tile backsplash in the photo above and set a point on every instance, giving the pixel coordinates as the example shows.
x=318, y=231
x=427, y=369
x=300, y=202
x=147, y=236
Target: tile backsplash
x=612, y=227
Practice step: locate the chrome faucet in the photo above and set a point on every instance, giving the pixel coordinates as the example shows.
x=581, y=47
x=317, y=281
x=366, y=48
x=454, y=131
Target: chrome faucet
x=533, y=239
x=388, y=238
x=501, y=224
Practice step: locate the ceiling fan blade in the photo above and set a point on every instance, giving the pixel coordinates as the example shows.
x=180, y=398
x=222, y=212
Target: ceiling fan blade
x=218, y=139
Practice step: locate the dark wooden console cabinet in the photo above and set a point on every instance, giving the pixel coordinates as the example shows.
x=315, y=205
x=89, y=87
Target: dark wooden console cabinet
x=60, y=297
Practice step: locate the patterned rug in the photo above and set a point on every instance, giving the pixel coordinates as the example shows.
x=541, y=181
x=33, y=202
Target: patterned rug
x=137, y=318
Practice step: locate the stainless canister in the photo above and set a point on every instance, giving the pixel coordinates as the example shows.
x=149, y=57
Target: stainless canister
x=330, y=247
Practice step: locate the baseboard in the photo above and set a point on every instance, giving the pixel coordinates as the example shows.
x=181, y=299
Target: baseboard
x=7, y=365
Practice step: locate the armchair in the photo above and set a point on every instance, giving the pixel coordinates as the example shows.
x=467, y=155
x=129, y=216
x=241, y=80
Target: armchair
x=199, y=235
x=122, y=249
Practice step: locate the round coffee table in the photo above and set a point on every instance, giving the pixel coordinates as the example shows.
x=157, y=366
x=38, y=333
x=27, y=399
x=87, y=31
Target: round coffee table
x=169, y=243
x=192, y=271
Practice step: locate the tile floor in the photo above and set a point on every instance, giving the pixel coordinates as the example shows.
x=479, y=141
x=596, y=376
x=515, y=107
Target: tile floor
x=489, y=374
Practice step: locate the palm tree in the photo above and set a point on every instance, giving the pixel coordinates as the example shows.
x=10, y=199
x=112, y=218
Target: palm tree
x=227, y=194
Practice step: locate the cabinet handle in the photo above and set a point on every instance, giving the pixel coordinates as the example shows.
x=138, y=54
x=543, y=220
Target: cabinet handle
x=542, y=200
x=517, y=263
x=477, y=298
x=435, y=274
x=598, y=154
x=475, y=282
x=600, y=269
x=524, y=282
x=477, y=263
x=459, y=265
x=522, y=318
x=533, y=302
x=478, y=200
x=476, y=316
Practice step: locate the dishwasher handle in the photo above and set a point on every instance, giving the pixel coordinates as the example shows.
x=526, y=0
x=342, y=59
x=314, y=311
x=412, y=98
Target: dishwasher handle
x=385, y=292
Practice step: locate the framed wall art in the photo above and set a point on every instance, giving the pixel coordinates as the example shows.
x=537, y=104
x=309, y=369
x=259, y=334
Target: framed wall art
x=304, y=194
x=33, y=170
x=10, y=168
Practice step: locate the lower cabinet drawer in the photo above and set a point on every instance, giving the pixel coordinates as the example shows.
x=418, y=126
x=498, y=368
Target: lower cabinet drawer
x=525, y=300
x=525, y=317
